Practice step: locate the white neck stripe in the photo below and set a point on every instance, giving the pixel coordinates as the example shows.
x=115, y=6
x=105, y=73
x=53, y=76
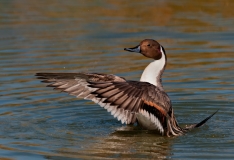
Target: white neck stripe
x=153, y=71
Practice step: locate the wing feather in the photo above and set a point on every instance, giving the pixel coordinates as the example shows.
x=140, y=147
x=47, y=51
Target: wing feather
x=120, y=100
x=104, y=90
x=109, y=93
x=123, y=99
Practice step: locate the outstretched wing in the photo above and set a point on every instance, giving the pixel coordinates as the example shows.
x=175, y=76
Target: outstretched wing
x=124, y=99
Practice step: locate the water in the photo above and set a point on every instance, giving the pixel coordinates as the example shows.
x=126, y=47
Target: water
x=89, y=36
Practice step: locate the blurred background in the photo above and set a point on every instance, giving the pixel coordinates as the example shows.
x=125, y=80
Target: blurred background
x=89, y=36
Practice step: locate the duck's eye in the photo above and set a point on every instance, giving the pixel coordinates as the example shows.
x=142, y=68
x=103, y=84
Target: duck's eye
x=148, y=45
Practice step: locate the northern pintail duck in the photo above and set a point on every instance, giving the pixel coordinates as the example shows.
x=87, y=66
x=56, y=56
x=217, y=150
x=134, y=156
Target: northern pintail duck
x=144, y=101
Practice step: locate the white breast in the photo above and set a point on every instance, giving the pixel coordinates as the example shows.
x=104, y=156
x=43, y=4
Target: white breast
x=149, y=121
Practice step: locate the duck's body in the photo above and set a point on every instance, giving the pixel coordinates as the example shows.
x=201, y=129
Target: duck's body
x=144, y=102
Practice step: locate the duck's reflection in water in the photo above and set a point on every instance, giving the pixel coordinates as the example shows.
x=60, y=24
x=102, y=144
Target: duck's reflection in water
x=128, y=142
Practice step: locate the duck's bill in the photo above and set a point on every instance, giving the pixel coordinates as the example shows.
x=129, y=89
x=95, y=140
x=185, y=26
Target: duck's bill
x=200, y=123
x=134, y=49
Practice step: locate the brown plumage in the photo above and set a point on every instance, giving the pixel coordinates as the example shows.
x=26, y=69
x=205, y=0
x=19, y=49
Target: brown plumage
x=142, y=101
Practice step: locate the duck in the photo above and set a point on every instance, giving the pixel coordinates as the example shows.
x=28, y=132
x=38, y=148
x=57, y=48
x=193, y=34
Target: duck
x=142, y=102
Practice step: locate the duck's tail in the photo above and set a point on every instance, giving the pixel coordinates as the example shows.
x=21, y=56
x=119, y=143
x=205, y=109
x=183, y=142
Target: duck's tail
x=174, y=129
x=190, y=127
